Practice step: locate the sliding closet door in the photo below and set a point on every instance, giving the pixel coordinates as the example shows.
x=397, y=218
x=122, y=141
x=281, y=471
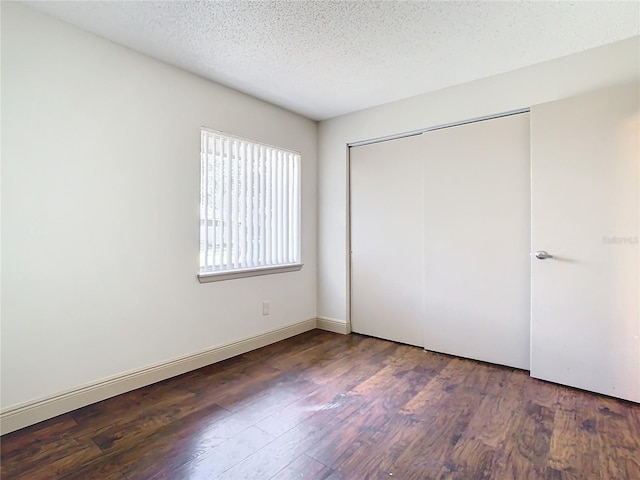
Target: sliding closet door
x=585, y=213
x=477, y=240
x=387, y=240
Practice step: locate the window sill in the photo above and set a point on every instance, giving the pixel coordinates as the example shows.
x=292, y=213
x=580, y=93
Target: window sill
x=247, y=272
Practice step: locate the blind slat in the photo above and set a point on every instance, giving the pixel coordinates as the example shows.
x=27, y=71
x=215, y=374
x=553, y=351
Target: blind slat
x=211, y=212
x=260, y=213
x=296, y=213
x=285, y=208
x=222, y=202
x=250, y=206
x=227, y=204
x=233, y=248
x=218, y=196
x=290, y=207
x=204, y=200
x=242, y=195
x=268, y=217
x=278, y=211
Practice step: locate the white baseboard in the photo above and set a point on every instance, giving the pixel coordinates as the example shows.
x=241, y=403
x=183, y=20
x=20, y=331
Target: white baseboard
x=333, y=325
x=29, y=413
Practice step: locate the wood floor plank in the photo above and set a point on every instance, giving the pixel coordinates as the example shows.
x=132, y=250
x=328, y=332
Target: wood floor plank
x=471, y=458
x=303, y=467
x=492, y=420
x=575, y=444
x=139, y=428
x=126, y=407
x=101, y=468
x=526, y=452
x=117, y=419
x=283, y=450
x=329, y=406
x=276, y=351
x=16, y=445
x=295, y=413
x=227, y=384
x=619, y=440
x=169, y=448
x=444, y=427
x=359, y=433
x=481, y=378
x=51, y=451
x=508, y=382
x=369, y=351
x=312, y=357
x=59, y=460
x=437, y=390
x=388, y=440
x=220, y=458
x=539, y=392
x=330, y=394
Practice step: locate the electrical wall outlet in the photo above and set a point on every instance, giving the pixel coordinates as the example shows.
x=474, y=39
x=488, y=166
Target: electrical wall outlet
x=266, y=308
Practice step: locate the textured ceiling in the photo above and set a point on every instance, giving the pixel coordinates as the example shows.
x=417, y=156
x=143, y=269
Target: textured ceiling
x=326, y=58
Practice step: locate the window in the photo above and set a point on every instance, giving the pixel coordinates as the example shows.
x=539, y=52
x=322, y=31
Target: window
x=249, y=208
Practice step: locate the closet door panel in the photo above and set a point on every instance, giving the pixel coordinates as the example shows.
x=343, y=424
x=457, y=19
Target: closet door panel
x=477, y=240
x=387, y=240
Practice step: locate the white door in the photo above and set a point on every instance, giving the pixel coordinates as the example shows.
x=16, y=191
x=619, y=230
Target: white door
x=585, y=212
x=387, y=240
x=477, y=236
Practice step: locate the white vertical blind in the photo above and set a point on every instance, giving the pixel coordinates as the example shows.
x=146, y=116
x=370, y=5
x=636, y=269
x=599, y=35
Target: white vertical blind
x=249, y=204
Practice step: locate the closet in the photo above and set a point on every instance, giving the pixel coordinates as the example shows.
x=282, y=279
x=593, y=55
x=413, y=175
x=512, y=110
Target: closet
x=512, y=240
x=440, y=240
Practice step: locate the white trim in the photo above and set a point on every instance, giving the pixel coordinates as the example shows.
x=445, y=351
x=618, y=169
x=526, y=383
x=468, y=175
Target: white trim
x=333, y=325
x=348, y=239
x=29, y=413
x=248, y=272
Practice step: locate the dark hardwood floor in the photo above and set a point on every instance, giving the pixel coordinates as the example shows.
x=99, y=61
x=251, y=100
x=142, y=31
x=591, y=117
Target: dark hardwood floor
x=328, y=406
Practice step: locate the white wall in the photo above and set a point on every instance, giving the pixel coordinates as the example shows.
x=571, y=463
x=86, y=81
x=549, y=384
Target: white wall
x=608, y=65
x=100, y=205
